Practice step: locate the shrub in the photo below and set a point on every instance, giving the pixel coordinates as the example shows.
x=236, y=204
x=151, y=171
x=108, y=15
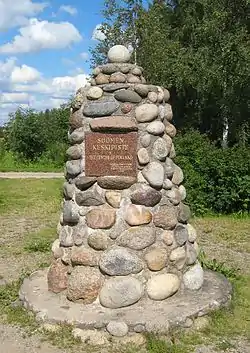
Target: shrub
x=216, y=179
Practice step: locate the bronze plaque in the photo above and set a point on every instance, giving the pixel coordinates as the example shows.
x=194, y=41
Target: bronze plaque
x=110, y=154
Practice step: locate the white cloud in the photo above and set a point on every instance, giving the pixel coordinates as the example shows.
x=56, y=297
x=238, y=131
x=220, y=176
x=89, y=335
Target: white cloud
x=57, y=87
x=98, y=33
x=14, y=97
x=17, y=12
x=69, y=9
x=39, y=35
x=22, y=85
x=24, y=74
x=84, y=55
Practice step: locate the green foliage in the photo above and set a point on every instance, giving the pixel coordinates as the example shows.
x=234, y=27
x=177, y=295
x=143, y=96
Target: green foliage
x=199, y=49
x=40, y=241
x=156, y=345
x=216, y=179
x=119, y=27
x=38, y=136
x=213, y=265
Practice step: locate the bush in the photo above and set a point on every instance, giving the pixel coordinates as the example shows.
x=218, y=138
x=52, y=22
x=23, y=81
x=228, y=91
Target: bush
x=30, y=134
x=216, y=179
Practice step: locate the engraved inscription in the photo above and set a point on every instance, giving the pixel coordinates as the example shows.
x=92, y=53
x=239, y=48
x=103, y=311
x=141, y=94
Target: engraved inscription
x=110, y=154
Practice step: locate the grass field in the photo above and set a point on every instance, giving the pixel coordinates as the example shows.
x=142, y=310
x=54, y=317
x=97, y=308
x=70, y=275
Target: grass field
x=29, y=212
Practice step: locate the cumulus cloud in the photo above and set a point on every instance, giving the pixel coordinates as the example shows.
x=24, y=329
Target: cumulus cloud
x=17, y=12
x=37, y=35
x=69, y=9
x=24, y=74
x=14, y=97
x=98, y=33
x=23, y=85
x=57, y=87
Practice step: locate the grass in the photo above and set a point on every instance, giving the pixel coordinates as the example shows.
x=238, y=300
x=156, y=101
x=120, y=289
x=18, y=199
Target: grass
x=37, y=202
x=9, y=163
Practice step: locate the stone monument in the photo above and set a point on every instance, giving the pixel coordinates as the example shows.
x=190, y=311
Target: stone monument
x=126, y=255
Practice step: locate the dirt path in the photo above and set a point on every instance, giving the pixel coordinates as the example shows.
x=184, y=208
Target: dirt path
x=27, y=175
x=13, y=341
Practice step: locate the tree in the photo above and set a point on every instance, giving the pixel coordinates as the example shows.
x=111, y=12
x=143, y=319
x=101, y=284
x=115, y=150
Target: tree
x=200, y=50
x=119, y=27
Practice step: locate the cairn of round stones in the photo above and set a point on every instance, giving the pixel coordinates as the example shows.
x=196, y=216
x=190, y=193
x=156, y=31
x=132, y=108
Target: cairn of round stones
x=124, y=237
x=124, y=226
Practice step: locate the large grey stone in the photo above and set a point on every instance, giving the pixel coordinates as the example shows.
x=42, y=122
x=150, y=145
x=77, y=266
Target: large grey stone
x=191, y=254
x=145, y=140
x=68, y=190
x=77, y=136
x=152, y=96
x=120, y=262
x=183, y=192
x=194, y=277
x=74, y=152
x=143, y=156
x=98, y=240
x=154, y=174
x=70, y=212
x=73, y=168
x=137, y=238
x=118, y=77
x=89, y=198
x=114, y=124
x=102, y=107
x=118, y=54
x=141, y=89
x=178, y=254
x=178, y=176
x=181, y=234
x=112, y=87
x=162, y=286
x=83, y=182
x=160, y=149
x=184, y=213
x=133, y=79
x=192, y=234
x=169, y=168
x=109, y=68
x=156, y=128
x=142, y=194
x=117, y=328
x=166, y=217
x=174, y=196
x=168, y=112
x=146, y=112
x=127, y=96
x=94, y=93
x=80, y=232
x=120, y=292
x=116, y=182
x=84, y=283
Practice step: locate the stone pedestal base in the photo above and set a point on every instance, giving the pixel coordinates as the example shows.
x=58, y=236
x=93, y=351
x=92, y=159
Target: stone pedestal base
x=145, y=316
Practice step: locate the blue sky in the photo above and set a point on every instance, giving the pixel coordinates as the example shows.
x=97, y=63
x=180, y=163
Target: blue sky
x=44, y=50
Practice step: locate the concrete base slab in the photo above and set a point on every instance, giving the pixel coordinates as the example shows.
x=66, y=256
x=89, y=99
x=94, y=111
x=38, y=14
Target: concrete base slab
x=150, y=316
